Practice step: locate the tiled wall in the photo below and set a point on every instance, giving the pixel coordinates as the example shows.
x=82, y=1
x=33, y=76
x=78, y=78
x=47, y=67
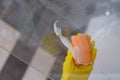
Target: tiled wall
x=23, y=25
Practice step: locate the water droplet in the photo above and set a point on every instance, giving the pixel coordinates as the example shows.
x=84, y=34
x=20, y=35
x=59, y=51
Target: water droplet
x=107, y=13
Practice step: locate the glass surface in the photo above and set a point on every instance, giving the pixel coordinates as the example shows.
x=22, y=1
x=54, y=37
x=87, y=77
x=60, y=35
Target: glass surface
x=26, y=32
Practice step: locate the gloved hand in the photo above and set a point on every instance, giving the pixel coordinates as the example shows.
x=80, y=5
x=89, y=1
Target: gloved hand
x=71, y=71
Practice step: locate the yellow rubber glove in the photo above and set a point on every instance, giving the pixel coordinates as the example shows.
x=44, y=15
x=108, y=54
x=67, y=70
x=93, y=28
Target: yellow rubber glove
x=71, y=71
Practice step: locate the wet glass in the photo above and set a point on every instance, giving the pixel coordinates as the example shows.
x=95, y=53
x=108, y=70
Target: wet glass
x=28, y=33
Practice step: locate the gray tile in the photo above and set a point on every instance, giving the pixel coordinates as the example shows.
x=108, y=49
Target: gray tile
x=45, y=26
x=3, y=57
x=4, y=5
x=36, y=17
x=18, y=14
x=24, y=50
x=63, y=4
x=27, y=31
x=56, y=70
x=34, y=3
x=61, y=7
x=14, y=69
x=90, y=9
x=35, y=21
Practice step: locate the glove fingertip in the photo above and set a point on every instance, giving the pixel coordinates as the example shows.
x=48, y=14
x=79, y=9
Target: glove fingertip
x=78, y=34
x=94, y=52
x=92, y=44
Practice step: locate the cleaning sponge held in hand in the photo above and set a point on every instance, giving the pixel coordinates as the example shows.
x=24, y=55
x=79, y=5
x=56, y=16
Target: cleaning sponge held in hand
x=82, y=49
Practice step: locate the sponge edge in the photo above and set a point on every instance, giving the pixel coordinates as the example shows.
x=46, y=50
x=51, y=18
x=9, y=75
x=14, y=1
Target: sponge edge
x=82, y=49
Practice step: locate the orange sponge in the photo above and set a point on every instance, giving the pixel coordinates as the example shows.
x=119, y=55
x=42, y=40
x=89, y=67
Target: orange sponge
x=82, y=49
